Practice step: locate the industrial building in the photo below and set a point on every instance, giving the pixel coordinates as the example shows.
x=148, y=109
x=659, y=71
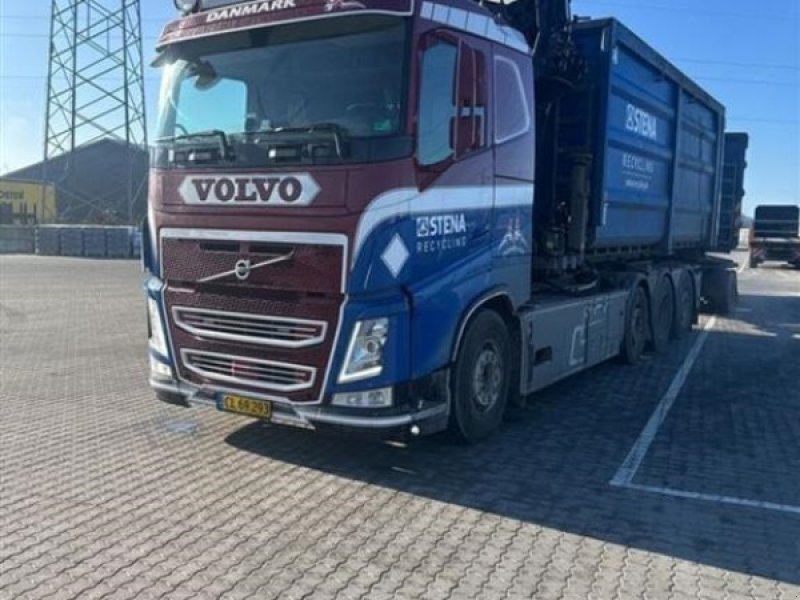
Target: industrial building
x=103, y=182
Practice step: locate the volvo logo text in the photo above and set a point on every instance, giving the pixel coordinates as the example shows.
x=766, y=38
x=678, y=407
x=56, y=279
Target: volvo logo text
x=297, y=189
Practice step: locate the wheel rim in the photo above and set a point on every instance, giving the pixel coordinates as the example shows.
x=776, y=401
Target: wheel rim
x=487, y=377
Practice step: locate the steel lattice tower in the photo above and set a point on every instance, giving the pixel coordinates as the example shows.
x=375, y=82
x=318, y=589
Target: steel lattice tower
x=95, y=84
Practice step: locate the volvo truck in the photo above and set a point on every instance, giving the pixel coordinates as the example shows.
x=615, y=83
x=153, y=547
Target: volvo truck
x=406, y=216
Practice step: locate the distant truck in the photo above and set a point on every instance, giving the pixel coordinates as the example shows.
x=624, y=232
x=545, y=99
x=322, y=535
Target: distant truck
x=401, y=216
x=733, y=191
x=775, y=235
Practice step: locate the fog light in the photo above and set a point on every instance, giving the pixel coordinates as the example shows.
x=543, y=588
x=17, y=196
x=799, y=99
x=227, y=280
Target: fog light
x=380, y=398
x=160, y=369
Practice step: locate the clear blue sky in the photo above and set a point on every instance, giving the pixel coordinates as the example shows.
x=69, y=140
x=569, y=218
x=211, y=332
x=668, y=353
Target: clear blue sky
x=745, y=53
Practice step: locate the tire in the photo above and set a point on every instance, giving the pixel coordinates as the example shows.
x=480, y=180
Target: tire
x=481, y=379
x=637, y=328
x=684, y=307
x=728, y=296
x=663, y=315
x=753, y=264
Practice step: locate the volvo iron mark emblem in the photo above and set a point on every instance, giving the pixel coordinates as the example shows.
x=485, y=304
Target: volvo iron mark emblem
x=244, y=267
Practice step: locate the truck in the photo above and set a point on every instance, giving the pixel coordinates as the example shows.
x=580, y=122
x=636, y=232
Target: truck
x=400, y=217
x=734, y=167
x=775, y=235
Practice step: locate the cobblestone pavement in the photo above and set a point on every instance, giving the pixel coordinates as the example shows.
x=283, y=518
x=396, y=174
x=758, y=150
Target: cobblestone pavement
x=105, y=493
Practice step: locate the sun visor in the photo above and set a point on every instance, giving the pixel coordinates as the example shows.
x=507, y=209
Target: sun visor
x=215, y=17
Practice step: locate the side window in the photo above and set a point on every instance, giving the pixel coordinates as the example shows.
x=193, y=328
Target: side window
x=223, y=106
x=512, y=116
x=436, y=107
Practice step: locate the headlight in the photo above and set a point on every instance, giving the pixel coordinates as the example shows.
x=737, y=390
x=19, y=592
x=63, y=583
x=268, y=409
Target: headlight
x=158, y=340
x=380, y=398
x=365, y=353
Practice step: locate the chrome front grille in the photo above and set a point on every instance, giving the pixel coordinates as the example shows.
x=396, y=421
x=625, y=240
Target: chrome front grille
x=263, y=374
x=249, y=328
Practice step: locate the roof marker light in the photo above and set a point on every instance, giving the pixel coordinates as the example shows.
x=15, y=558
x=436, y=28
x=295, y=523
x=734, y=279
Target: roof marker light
x=186, y=6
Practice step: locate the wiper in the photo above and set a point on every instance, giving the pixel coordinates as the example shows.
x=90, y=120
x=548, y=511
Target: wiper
x=226, y=148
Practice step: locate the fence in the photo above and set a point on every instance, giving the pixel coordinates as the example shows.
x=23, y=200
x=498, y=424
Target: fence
x=71, y=240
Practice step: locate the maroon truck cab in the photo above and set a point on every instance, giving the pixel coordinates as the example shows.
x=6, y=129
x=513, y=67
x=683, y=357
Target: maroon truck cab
x=331, y=196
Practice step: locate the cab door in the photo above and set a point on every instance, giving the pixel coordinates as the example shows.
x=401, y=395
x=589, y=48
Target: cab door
x=514, y=142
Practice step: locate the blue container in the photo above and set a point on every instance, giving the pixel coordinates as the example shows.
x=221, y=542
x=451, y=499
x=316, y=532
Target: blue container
x=118, y=242
x=94, y=242
x=654, y=140
x=730, y=214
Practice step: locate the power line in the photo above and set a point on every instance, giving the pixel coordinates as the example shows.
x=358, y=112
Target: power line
x=676, y=9
x=729, y=63
x=747, y=81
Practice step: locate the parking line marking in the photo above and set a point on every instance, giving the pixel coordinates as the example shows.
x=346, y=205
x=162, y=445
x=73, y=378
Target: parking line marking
x=633, y=461
x=787, y=508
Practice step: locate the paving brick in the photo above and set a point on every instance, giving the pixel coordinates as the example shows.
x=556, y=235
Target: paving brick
x=105, y=493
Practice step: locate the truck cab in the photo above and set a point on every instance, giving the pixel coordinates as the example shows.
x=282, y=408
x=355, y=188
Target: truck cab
x=333, y=194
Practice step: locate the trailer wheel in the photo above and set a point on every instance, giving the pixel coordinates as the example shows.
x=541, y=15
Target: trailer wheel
x=637, y=327
x=684, y=310
x=481, y=381
x=664, y=315
x=726, y=294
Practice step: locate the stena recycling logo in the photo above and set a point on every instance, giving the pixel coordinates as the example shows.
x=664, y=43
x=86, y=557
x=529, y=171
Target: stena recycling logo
x=298, y=189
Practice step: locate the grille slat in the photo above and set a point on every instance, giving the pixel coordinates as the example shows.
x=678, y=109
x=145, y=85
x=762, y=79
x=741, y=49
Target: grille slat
x=245, y=328
x=264, y=374
x=248, y=328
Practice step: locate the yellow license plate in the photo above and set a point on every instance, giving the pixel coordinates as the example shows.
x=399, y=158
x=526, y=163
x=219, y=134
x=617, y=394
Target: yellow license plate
x=251, y=407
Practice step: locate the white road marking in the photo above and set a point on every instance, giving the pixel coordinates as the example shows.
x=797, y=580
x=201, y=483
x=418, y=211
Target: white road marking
x=787, y=508
x=633, y=461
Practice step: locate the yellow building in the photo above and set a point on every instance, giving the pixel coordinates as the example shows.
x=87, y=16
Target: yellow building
x=27, y=202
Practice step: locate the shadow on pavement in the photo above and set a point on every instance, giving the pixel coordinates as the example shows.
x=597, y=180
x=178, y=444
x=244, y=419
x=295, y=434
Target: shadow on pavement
x=553, y=464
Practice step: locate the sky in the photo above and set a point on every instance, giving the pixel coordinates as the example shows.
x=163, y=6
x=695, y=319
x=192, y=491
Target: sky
x=745, y=53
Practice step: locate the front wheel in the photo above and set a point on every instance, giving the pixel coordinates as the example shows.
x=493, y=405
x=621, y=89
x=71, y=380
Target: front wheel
x=481, y=378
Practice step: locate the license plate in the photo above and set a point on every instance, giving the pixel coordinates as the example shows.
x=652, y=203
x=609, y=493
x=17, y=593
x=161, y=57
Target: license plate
x=251, y=407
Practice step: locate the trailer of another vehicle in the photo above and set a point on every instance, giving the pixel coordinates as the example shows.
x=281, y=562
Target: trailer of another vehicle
x=775, y=235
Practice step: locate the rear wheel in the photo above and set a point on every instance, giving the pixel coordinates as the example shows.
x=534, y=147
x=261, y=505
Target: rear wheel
x=636, y=328
x=664, y=315
x=684, y=308
x=481, y=382
x=722, y=291
x=753, y=262
x=729, y=295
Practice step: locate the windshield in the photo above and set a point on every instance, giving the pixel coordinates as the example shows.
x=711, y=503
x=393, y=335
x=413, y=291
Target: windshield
x=327, y=91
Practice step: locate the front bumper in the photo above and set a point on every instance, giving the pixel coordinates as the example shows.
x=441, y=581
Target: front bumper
x=425, y=418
